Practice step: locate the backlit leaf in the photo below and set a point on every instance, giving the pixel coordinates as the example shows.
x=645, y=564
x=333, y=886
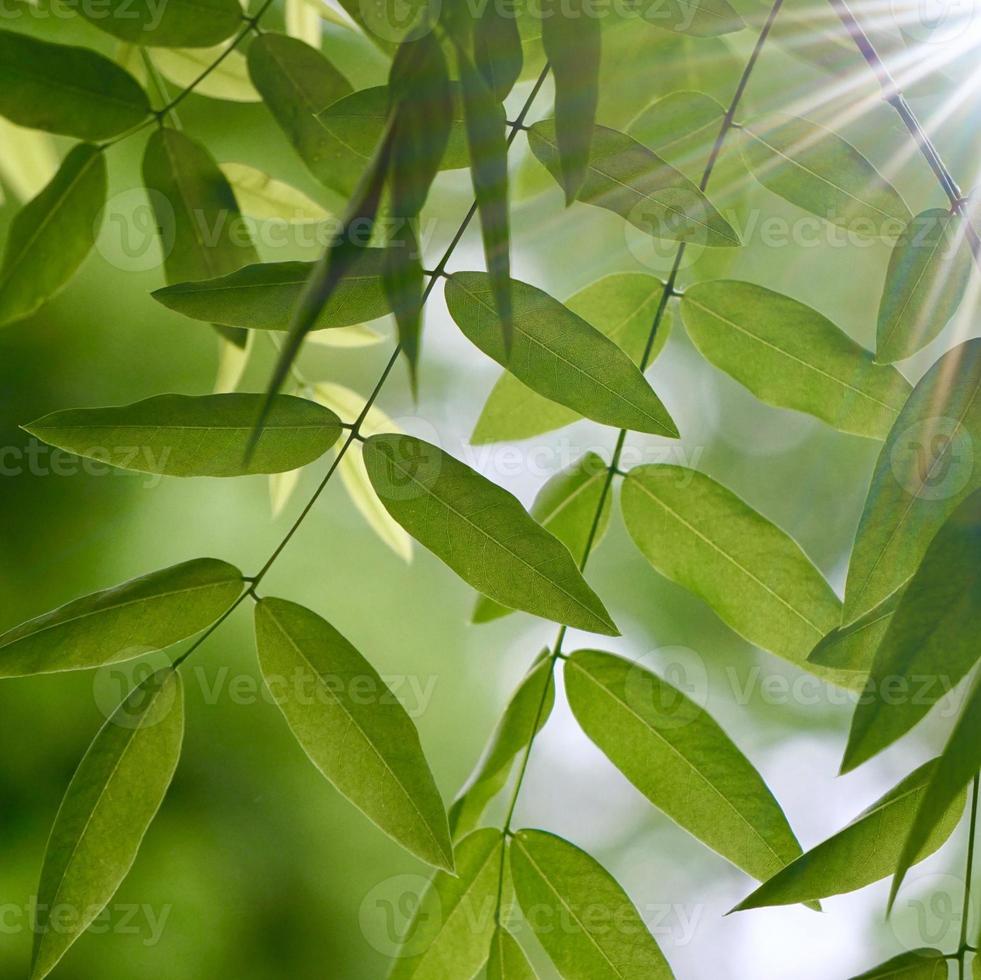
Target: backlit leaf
x=853, y=647
x=678, y=120
x=699, y=18
x=303, y=21
x=917, y=964
x=188, y=24
x=229, y=81
x=507, y=959
x=28, y=160
x=263, y=197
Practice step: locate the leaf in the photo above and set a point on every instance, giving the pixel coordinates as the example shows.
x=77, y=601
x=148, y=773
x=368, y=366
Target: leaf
x=853, y=647
x=303, y=21
x=232, y=362
x=356, y=336
x=791, y=356
x=402, y=277
x=677, y=120
x=566, y=507
x=817, y=170
x=928, y=273
x=267, y=199
x=107, y=809
x=52, y=235
x=481, y=531
x=264, y=296
x=862, y=852
x=450, y=933
x=575, y=902
x=497, y=49
x=625, y=177
x=571, y=39
x=28, y=161
x=282, y=486
x=189, y=24
x=558, y=354
x=699, y=534
x=194, y=435
x=622, y=307
x=352, y=727
x=141, y=616
x=532, y=701
x=931, y=642
x=296, y=83
x=67, y=90
x=507, y=959
x=680, y=759
x=925, y=469
x=229, y=81
x=917, y=964
x=699, y=18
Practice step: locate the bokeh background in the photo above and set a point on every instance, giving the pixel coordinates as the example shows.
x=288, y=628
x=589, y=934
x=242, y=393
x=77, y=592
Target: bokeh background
x=255, y=867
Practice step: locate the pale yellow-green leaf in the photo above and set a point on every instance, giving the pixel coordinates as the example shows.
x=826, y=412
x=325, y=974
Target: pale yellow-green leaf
x=229, y=81
x=281, y=488
x=263, y=197
x=232, y=361
x=303, y=21
x=28, y=160
x=358, y=335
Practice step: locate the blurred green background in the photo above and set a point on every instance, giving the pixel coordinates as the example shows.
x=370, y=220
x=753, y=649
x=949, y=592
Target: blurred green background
x=255, y=867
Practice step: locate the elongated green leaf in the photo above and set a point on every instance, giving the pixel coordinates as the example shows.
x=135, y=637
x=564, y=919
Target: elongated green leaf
x=108, y=808
x=450, y=934
x=680, y=759
x=264, y=296
x=263, y=197
x=925, y=469
x=817, y=170
x=917, y=964
x=187, y=66
x=358, y=121
x=28, y=160
x=194, y=435
x=756, y=577
x=352, y=727
x=928, y=273
x=497, y=49
x=791, y=356
x=853, y=647
x=625, y=177
x=303, y=21
x=507, y=959
x=296, y=83
x=481, y=531
x=863, y=852
x=931, y=642
x=532, y=702
x=68, y=90
x=583, y=918
x=558, y=354
x=566, y=506
x=188, y=24
x=622, y=307
x=699, y=18
x=677, y=121
x=403, y=280
x=51, y=236
x=571, y=38
x=146, y=614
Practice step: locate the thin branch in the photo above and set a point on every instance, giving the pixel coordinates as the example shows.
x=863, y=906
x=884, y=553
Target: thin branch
x=963, y=945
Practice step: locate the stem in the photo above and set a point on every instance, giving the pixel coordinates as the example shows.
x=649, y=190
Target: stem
x=962, y=945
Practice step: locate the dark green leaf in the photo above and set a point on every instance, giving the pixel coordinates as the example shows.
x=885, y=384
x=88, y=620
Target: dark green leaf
x=481, y=531
x=403, y=280
x=928, y=272
x=863, y=852
x=352, y=727
x=789, y=355
x=146, y=614
x=583, y=918
x=67, y=90
x=188, y=24
x=51, y=236
x=108, y=808
x=497, y=49
x=699, y=18
x=917, y=964
x=625, y=177
x=194, y=435
x=559, y=355
x=853, y=647
x=507, y=958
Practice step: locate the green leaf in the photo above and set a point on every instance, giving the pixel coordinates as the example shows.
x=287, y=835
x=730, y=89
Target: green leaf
x=188, y=24
x=67, y=90
x=931, y=642
x=267, y=199
x=917, y=964
x=296, y=83
x=625, y=177
x=507, y=958
x=52, y=235
x=403, y=280
x=928, y=273
x=264, y=296
x=853, y=647
x=140, y=616
x=497, y=49
x=566, y=507
x=861, y=853
x=925, y=469
x=194, y=435
x=481, y=531
x=352, y=727
x=699, y=534
x=107, y=809
x=229, y=81
x=303, y=21
x=817, y=170
x=699, y=18
x=558, y=354
x=622, y=307
x=28, y=161
x=791, y=356
x=450, y=933
x=571, y=38
x=532, y=701
x=680, y=759
x=575, y=902
x=676, y=121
